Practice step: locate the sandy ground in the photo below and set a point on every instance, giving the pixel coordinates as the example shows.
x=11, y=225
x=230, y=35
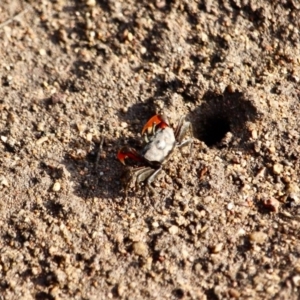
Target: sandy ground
x=79, y=79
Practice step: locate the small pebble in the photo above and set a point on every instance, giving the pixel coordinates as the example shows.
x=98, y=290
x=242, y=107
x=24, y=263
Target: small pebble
x=143, y=50
x=271, y=290
x=234, y=293
x=254, y=134
x=124, y=125
x=258, y=237
x=3, y=181
x=42, y=140
x=3, y=138
x=56, y=187
x=91, y=3
x=81, y=127
x=140, y=248
x=35, y=271
x=173, y=230
x=89, y=137
x=293, y=188
x=272, y=204
x=295, y=197
x=155, y=224
x=208, y=200
x=272, y=149
x=241, y=232
x=261, y=172
x=121, y=289
x=204, y=37
x=185, y=254
x=52, y=250
x=41, y=126
x=217, y=248
x=130, y=36
x=42, y=52
x=296, y=280
x=54, y=291
x=198, y=268
x=160, y=3
x=230, y=206
x=58, y=98
x=277, y=169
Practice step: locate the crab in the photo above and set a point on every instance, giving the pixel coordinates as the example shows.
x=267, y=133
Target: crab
x=161, y=140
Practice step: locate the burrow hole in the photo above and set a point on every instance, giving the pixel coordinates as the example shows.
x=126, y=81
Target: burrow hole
x=220, y=114
x=215, y=130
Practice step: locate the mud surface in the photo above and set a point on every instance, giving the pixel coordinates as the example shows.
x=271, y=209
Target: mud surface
x=79, y=79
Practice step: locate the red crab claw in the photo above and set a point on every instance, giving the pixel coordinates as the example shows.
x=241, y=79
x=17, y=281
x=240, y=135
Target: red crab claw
x=126, y=152
x=156, y=120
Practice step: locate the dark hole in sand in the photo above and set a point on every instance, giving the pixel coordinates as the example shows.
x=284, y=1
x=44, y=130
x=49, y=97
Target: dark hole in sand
x=215, y=130
x=222, y=113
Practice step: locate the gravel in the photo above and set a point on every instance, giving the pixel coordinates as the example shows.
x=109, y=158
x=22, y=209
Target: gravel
x=79, y=79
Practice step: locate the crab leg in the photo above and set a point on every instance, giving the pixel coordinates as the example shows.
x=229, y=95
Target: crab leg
x=181, y=130
x=152, y=176
x=148, y=176
x=141, y=174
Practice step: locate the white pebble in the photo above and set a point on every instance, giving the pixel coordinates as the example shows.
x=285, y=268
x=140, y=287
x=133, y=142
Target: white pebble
x=56, y=186
x=173, y=230
x=277, y=169
x=230, y=206
x=42, y=52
